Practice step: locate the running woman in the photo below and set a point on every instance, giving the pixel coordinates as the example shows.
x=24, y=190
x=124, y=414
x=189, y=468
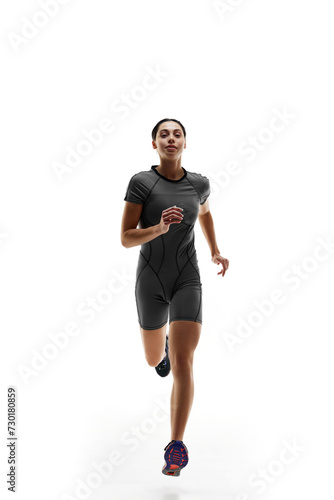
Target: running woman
x=165, y=202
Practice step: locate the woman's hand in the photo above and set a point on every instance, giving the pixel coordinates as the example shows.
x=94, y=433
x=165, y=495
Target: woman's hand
x=218, y=259
x=170, y=216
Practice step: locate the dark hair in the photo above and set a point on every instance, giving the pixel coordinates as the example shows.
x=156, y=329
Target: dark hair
x=155, y=130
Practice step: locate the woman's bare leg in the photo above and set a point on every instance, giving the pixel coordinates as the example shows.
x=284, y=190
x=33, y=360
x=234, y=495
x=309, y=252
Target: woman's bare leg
x=183, y=339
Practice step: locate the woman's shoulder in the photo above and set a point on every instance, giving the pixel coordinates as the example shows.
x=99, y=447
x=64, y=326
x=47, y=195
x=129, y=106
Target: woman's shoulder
x=201, y=184
x=139, y=186
x=197, y=174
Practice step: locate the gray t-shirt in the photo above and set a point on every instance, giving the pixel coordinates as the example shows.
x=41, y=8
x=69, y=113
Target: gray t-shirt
x=157, y=193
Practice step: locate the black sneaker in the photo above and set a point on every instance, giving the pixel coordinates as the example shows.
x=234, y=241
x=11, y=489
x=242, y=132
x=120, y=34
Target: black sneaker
x=163, y=367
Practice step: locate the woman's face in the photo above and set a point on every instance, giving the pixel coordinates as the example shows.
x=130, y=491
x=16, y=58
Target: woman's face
x=169, y=141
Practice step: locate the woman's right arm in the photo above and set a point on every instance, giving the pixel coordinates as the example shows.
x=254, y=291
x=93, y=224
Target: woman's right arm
x=131, y=236
x=134, y=237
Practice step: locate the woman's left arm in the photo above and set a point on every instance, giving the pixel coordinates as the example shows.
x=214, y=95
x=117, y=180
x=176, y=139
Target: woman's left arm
x=206, y=222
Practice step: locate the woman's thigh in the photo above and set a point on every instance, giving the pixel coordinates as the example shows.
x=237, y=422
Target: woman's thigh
x=183, y=340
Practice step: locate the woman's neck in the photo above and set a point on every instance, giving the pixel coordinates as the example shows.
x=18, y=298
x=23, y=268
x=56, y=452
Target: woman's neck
x=171, y=169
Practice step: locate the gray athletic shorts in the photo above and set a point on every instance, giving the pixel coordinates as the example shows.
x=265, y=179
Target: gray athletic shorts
x=177, y=292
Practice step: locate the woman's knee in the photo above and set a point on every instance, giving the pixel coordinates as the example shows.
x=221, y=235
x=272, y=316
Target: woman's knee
x=153, y=359
x=180, y=364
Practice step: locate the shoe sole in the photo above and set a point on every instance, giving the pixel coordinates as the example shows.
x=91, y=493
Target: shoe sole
x=173, y=469
x=172, y=472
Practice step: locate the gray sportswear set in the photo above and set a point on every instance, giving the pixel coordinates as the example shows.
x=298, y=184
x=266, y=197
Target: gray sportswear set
x=167, y=276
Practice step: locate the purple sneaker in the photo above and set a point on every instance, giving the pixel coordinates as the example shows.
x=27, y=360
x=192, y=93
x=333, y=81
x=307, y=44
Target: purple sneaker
x=176, y=457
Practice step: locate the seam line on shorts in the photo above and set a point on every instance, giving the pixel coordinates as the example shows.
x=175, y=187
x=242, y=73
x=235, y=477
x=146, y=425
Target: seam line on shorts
x=163, y=290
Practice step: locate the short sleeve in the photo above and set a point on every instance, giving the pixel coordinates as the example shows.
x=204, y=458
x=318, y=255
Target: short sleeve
x=136, y=191
x=205, y=191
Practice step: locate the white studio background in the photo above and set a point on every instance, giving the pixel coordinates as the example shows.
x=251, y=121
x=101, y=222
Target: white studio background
x=252, y=83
